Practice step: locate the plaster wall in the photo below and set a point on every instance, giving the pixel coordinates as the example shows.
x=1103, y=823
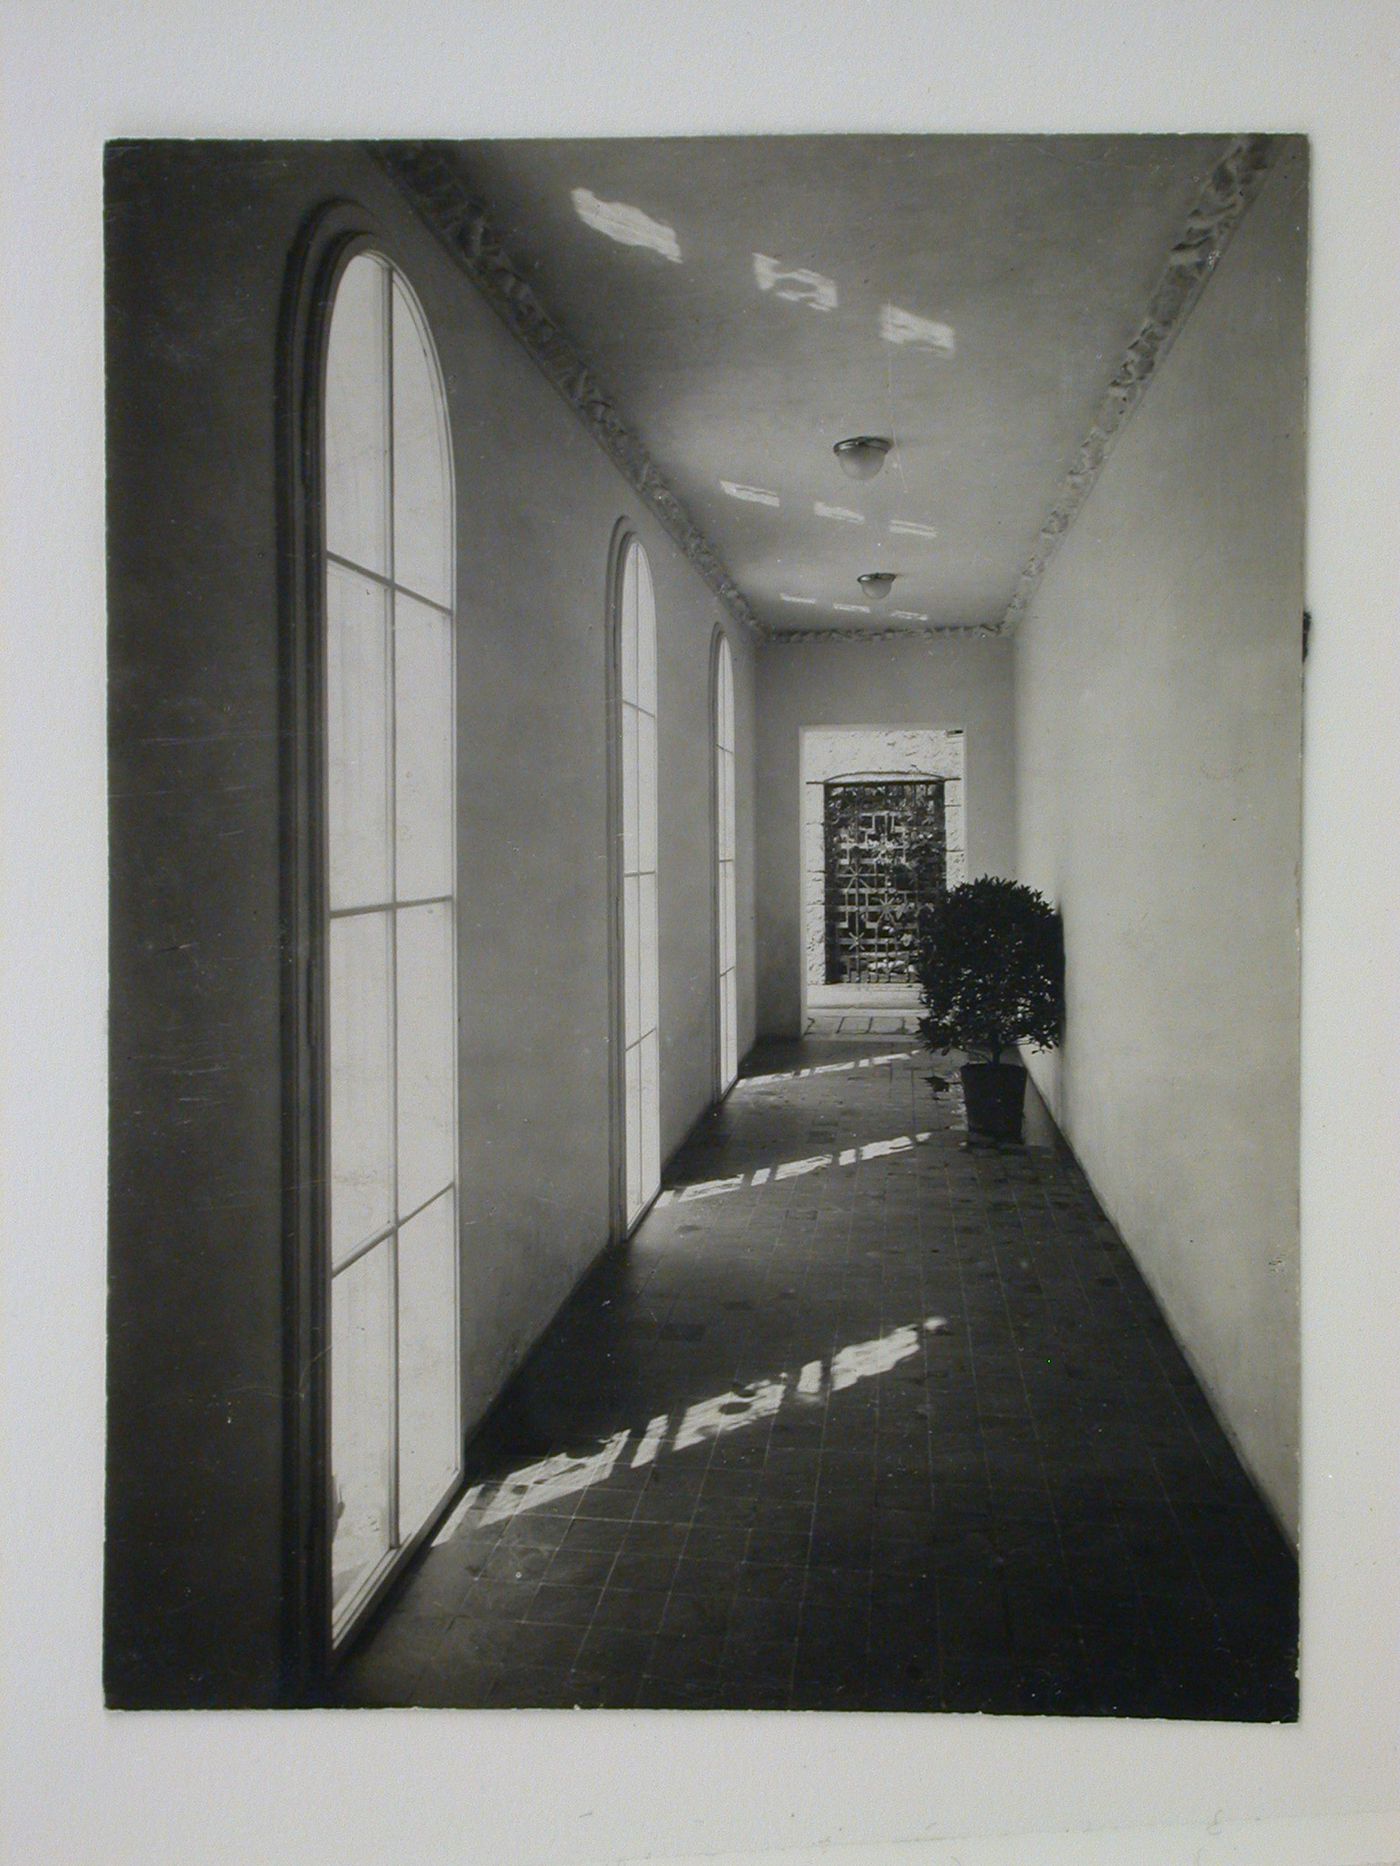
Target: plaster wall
x=199, y=239
x=1158, y=738
x=945, y=682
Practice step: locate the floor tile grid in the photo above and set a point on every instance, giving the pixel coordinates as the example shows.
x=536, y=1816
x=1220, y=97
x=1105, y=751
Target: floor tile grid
x=1113, y=1473
x=999, y=1251
x=1059, y=1605
x=674, y=1608
x=902, y=1184
x=809, y=1606
x=1153, y=1492
x=503, y=1572
x=872, y=1213
x=616, y=1624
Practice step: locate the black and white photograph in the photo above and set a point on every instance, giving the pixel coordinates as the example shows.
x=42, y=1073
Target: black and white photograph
x=700, y=982
x=706, y=782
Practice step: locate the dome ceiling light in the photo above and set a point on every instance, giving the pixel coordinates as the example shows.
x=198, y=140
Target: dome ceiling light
x=862, y=455
x=877, y=583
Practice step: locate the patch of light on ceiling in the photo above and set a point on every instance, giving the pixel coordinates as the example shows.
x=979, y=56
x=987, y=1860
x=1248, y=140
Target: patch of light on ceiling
x=838, y=511
x=911, y=530
x=852, y=609
x=629, y=226
x=799, y=285
x=920, y=333
x=907, y=615
x=807, y=601
x=756, y=495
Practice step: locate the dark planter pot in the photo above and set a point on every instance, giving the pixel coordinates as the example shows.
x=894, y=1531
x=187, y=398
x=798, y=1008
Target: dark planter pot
x=995, y=1094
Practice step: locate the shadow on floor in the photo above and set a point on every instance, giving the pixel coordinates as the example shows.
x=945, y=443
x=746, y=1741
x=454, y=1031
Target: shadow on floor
x=864, y=1417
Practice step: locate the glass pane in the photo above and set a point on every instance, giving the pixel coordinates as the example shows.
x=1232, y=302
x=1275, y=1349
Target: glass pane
x=631, y=800
x=647, y=953
x=430, y=1448
x=427, y=1055
x=357, y=738
x=357, y=418
x=726, y=916
x=646, y=636
x=634, y=1133
x=726, y=696
x=646, y=792
x=422, y=480
x=631, y=961
x=726, y=805
x=651, y=1115
x=729, y=1027
x=423, y=749
x=360, y=1115
x=627, y=626
x=361, y=1416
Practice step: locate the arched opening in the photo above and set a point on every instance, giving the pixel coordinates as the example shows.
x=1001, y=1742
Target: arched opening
x=389, y=1076
x=639, y=970
x=726, y=909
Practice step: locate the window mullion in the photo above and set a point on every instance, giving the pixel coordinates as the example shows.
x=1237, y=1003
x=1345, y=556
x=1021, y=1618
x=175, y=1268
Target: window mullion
x=393, y=737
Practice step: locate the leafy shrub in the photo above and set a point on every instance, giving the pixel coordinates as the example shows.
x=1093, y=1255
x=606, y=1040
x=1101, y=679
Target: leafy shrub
x=991, y=969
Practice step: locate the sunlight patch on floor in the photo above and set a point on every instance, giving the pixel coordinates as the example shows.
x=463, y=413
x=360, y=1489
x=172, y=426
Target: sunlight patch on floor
x=563, y=1474
x=795, y=1169
x=824, y=1069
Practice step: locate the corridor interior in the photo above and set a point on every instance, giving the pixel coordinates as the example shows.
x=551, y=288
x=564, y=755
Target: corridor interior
x=866, y=1416
x=572, y=605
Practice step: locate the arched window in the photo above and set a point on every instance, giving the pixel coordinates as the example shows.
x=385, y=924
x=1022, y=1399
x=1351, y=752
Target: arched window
x=390, y=849
x=641, y=1118
x=726, y=910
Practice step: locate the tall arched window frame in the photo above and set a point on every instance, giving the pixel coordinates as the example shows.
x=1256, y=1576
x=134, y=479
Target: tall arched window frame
x=389, y=1075
x=640, y=942
x=726, y=899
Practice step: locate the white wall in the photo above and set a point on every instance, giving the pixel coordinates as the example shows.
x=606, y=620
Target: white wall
x=1158, y=749
x=946, y=682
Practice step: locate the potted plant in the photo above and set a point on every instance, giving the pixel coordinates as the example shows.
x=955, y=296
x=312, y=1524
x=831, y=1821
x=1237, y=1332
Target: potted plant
x=991, y=974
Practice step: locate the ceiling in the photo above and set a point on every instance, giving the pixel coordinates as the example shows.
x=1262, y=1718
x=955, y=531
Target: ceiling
x=748, y=301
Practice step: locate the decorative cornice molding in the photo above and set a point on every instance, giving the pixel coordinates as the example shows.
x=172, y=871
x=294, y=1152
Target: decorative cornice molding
x=919, y=631
x=1233, y=184
x=433, y=187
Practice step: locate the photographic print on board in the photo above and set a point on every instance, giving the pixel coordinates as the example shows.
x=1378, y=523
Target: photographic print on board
x=632, y=663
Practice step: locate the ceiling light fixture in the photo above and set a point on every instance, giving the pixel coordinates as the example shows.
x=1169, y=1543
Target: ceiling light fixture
x=877, y=583
x=862, y=455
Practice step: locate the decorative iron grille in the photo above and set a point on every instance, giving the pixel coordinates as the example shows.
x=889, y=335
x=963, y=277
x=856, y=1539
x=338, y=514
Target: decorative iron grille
x=886, y=853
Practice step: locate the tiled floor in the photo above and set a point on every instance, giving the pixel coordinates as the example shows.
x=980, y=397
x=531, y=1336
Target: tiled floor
x=839, y=1023
x=863, y=1418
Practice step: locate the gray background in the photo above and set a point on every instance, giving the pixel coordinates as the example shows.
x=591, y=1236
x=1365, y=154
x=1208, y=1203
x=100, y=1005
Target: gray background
x=85, y=1786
